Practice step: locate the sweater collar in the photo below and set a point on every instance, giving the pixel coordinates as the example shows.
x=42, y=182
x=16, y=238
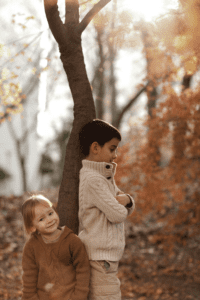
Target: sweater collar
x=103, y=168
x=63, y=235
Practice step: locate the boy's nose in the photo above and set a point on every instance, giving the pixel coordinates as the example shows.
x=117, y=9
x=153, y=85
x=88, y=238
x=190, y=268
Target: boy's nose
x=115, y=155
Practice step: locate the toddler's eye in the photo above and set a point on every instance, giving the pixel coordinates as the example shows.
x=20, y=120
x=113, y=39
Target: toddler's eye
x=41, y=219
x=51, y=213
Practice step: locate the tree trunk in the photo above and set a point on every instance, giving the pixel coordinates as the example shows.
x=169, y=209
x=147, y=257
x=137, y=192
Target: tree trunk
x=108, y=44
x=68, y=37
x=180, y=127
x=21, y=152
x=112, y=58
x=152, y=88
x=98, y=83
x=22, y=162
x=154, y=154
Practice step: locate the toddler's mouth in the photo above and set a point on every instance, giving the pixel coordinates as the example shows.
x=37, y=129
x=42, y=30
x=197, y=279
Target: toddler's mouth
x=51, y=225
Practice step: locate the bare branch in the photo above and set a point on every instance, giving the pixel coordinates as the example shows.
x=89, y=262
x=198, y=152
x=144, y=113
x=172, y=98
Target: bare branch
x=130, y=103
x=21, y=139
x=22, y=49
x=12, y=132
x=90, y=15
x=30, y=129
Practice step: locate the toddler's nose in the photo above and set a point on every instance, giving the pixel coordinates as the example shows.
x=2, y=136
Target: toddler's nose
x=49, y=219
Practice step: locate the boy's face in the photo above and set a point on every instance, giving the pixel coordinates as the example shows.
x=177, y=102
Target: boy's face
x=46, y=220
x=108, y=152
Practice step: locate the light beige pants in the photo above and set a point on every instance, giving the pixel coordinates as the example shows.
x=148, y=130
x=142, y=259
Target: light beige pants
x=104, y=284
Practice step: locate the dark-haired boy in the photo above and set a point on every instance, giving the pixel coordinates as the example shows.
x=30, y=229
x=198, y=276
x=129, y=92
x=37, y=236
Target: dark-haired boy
x=103, y=208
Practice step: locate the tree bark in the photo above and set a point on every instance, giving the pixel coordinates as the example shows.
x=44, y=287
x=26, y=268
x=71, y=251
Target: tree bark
x=99, y=81
x=181, y=126
x=112, y=59
x=131, y=102
x=154, y=155
x=68, y=37
x=21, y=152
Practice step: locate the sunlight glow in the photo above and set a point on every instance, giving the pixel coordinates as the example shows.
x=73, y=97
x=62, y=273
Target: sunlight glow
x=149, y=9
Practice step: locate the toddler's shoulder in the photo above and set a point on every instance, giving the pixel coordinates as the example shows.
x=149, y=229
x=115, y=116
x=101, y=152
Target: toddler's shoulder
x=30, y=241
x=74, y=241
x=30, y=247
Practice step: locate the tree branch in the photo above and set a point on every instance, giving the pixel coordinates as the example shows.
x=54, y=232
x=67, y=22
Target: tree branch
x=90, y=15
x=12, y=132
x=30, y=129
x=55, y=23
x=130, y=103
x=72, y=12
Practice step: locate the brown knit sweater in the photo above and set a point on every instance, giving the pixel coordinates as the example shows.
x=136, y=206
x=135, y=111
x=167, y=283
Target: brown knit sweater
x=55, y=271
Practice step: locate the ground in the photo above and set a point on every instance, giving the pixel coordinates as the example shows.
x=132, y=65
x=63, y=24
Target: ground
x=148, y=270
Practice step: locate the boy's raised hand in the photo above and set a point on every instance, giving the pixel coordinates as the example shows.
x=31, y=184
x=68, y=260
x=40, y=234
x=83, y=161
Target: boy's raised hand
x=123, y=199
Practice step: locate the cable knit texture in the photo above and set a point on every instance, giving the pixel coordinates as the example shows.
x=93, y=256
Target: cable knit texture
x=57, y=271
x=101, y=216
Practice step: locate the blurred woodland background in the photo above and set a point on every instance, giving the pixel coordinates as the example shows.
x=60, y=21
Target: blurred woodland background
x=145, y=79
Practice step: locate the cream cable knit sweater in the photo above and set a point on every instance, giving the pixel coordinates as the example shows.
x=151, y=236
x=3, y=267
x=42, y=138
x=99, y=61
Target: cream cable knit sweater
x=101, y=216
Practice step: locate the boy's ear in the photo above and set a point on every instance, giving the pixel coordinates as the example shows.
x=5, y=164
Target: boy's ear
x=94, y=147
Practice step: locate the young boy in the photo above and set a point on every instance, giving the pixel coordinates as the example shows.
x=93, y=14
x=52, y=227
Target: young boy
x=102, y=208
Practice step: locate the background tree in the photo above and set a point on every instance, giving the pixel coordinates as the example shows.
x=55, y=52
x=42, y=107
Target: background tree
x=112, y=30
x=23, y=67
x=51, y=165
x=17, y=98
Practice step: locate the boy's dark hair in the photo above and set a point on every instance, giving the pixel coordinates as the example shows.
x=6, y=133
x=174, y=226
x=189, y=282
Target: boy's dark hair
x=97, y=131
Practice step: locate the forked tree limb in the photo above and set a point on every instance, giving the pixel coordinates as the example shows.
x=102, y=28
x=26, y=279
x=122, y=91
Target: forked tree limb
x=71, y=16
x=129, y=104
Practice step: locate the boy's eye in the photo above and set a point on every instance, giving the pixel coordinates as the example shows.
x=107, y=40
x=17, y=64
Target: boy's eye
x=51, y=213
x=41, y=219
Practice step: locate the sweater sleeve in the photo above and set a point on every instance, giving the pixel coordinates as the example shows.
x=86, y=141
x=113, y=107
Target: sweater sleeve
x=30, y=274
x=104, y=200
x=132, y=207
x=81, y=264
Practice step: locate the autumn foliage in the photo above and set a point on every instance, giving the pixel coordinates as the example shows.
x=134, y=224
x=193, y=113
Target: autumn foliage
x=10, y=89
x=163, y=171
x=159, y=187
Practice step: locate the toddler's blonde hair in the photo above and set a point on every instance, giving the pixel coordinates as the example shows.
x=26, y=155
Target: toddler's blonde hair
x=28, y=209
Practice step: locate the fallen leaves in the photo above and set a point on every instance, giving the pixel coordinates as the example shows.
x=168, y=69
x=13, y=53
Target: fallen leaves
x=147, y=271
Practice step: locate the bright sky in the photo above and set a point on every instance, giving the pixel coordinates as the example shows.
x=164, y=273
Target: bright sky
x=148, y=9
